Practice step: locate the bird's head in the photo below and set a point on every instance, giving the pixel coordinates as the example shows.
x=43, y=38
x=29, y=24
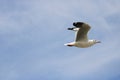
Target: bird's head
x=97, y=41
x=94, y=41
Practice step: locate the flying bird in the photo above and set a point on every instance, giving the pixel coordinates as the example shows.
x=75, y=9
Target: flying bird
x=81, y=38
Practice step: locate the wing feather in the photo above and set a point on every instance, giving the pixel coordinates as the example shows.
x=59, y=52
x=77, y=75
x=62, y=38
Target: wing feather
x=81, y=34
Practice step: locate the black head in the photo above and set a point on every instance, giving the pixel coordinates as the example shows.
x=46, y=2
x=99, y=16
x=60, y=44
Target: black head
x=78, y=24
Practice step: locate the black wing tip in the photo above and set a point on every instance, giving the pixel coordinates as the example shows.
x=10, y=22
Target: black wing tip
x=78, y=24
x=70, y=28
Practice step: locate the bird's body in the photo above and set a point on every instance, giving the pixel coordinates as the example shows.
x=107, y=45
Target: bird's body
x=82, y=44
x=81, y=39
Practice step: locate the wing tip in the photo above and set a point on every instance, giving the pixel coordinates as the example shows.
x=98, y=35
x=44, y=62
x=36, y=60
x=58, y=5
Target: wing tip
x=78, y=24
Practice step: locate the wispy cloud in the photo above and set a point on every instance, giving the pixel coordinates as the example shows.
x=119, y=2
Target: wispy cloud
x=33, y=33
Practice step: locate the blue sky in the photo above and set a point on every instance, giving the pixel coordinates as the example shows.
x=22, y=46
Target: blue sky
x=32, y=34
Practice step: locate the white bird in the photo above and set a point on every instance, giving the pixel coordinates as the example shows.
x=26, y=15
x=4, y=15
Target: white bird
x=81, y=39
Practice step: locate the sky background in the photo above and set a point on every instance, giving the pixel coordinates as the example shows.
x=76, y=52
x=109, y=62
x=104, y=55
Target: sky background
x=33, y=34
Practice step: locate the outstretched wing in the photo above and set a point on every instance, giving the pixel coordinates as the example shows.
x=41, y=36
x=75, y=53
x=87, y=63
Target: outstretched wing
x=81, y=34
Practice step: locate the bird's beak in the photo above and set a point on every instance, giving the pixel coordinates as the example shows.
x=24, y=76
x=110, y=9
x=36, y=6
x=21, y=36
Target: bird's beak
x=98, y=41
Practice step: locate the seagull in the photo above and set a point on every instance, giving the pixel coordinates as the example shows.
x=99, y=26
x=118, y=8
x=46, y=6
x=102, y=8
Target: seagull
x=81, y=38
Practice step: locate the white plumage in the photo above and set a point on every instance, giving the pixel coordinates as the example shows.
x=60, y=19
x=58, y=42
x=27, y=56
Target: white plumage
x=81, y=39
